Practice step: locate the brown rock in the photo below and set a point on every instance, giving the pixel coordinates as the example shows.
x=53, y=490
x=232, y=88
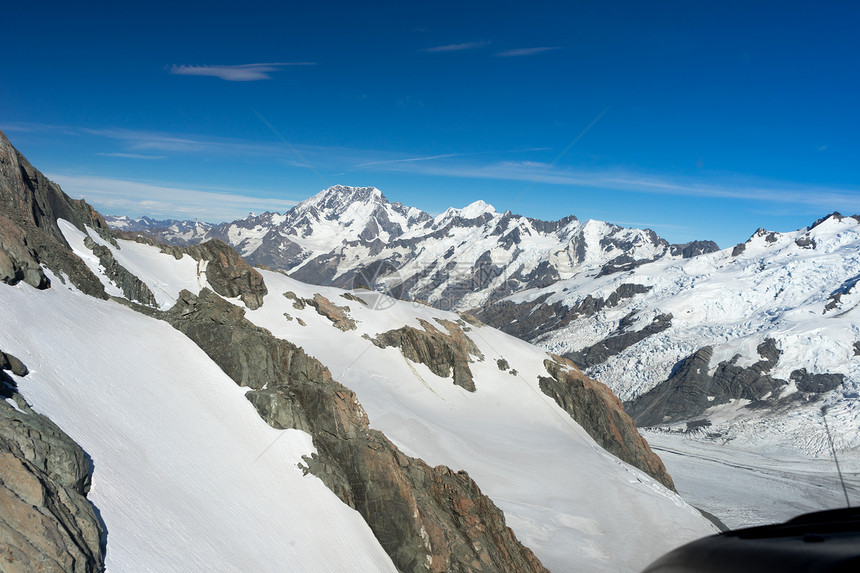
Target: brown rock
x=425, y=518
x=441, y=352
x=338, y=315
x=600, y=413
x=226, y=271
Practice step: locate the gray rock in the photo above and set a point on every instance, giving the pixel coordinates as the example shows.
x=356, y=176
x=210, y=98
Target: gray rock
x=227, y=273
x=693, y=249
x=47, y=524
x=29, y=234
x=132, y=287
x=532, y=319
x=619, y=341
x=442, y=353
x=816, y=383
x=419, y=514
x=690, y=390
x=12, y=364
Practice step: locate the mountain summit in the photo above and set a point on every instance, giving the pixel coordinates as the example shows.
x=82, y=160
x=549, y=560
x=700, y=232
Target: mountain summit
x=459, y=259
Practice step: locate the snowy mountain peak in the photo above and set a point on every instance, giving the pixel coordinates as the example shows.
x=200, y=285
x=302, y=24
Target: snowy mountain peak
x=339, y=197
x=477, y=209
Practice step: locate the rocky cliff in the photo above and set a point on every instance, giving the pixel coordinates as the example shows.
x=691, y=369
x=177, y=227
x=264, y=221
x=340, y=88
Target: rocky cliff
x=29, y=233
x=226, y=272
x=427, y=519
x=601, y=414
x=442, y=353
x=46, y=523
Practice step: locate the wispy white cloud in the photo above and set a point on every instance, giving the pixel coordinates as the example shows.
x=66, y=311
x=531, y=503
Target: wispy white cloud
x=236, y=73
x=131, y=155
x=527, y=51
x=456, y=47
x=726, y=187
x=135, y=198
x=778, y=194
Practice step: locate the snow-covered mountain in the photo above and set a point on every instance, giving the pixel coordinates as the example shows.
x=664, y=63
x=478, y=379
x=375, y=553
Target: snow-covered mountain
x=741, y=346
x=747, y=344
x=240, y=419
x=461, y=259
x=172, y=231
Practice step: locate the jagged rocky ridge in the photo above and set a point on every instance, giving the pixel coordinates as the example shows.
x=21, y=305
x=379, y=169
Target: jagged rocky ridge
x=47, y=523
x=425, y=518
x=350, y=237
x=767, y=329
x=29, y=234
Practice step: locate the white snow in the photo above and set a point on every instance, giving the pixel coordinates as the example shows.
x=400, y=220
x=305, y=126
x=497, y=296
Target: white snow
x=187, y=476
x=163, y=274
x=748, y=487
x=773, y=289
x=575, y=505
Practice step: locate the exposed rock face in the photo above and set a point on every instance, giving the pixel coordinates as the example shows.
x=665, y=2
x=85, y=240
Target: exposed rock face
x=18, y=262
x=338, y=315
x=132, y=287
x=816, y=383
x=440, y=352
x=427, y=519
x=594, y=407
x=46, y=523
x=12, y=364
x=226, y=271
x=29, y=234
x=619, y=341
x=694, y=249
x=690, y=390
x=532, y=319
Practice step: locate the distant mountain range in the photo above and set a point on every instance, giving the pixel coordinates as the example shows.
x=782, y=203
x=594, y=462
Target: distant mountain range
x=461, y=259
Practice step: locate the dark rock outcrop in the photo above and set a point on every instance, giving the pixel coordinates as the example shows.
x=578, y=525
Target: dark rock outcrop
x=440, y=352
x=425, y=518
x=132, y=287
x=46, y=523
x=227, y=273
x=816, y=383
x=619, y=341
x=532, y=319
x=13, y=365
x=29, y=233
x=338, y=315
x=600, y=413
x=693, y=249
x=690, y=389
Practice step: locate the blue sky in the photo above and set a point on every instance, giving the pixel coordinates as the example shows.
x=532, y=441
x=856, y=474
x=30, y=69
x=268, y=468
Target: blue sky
x=697, y=119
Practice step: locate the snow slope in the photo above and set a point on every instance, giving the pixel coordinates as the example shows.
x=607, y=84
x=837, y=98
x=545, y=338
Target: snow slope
x=747, y=487
x=574, y=504
x=179, y=478
x=776, y=285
